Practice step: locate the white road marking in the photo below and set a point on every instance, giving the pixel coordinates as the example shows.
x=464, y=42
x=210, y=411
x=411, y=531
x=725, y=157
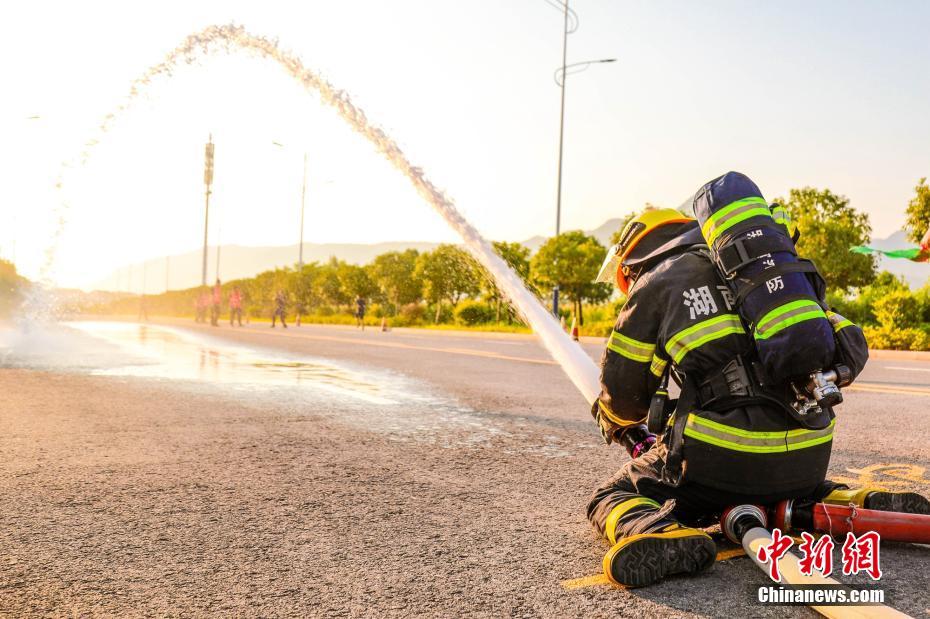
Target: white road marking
x=897, y=367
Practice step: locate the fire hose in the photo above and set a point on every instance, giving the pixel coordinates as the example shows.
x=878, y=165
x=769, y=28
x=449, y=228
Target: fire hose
x=750, y=530
x=747, y=526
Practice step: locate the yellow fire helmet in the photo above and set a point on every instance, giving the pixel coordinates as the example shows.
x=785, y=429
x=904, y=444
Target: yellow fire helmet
x=635, y=230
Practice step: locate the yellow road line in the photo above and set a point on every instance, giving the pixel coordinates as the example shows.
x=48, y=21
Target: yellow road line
x=879, y=388
x=732, y=553
x=470, y=352
x=369, y=342
x=586, y=581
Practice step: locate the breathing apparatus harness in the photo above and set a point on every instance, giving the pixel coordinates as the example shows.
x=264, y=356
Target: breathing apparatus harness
x=742, y=382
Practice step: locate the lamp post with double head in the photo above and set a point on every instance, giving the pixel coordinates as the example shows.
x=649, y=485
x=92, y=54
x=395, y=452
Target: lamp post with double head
x=560, y=78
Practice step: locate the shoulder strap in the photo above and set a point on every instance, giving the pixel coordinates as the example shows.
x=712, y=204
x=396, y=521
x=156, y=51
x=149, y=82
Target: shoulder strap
x=735, y=255
x=751, y=283
x=673, y=471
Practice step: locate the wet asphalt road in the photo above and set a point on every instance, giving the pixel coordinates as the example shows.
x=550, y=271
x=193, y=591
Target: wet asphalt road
x=325, y=471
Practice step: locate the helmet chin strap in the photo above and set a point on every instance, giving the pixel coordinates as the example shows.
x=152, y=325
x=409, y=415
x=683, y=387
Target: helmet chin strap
x=626, y=277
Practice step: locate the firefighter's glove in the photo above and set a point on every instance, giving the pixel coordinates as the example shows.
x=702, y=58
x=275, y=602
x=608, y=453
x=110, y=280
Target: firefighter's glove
x=609, y=430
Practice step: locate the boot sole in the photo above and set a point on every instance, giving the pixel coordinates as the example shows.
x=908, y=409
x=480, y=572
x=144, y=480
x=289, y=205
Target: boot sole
x=904, y=502
x=641, y=560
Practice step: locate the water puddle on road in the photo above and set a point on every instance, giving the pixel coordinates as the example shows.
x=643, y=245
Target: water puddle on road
x=175, y=354
x=371, y=399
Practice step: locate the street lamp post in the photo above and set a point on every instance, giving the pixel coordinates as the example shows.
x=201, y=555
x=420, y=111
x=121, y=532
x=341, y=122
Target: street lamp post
x=303, y=201
x=563, y=72
x=208, y=182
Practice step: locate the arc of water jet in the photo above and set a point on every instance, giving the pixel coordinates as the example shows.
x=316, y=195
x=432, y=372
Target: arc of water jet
x=579, y=367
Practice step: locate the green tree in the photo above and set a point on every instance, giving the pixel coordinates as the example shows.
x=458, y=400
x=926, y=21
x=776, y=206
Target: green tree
x=917, y=223
x=11, y=286
x=829, y=227
x=261, y=289
x=448, y=274
x=395, y=274
x=517, y=256
x=571, y=262
x=303, y=286
x=329, y=284
x=356, y=281
x=898, y=310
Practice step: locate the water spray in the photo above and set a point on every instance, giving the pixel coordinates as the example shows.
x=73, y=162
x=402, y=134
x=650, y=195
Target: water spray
x=229, y=38
x=745, y=524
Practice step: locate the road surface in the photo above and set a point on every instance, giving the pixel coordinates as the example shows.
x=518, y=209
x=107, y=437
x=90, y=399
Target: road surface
x=178, y=469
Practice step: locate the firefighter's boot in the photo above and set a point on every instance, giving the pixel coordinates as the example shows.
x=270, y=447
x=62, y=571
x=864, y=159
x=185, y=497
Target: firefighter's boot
x=881, y=500
x=645, y=558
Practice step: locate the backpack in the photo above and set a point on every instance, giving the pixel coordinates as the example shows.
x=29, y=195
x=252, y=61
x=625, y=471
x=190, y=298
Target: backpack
x=777, y=293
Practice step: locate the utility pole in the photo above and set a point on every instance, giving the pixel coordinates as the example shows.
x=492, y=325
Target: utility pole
x=558, y=198
x=208, y=183
x=563, y=74
x=303, y=198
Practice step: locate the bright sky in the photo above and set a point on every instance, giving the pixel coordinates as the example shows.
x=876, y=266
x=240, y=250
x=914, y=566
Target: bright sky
x=832, y=94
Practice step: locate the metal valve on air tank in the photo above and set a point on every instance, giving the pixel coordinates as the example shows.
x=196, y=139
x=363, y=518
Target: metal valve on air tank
x=821, y=390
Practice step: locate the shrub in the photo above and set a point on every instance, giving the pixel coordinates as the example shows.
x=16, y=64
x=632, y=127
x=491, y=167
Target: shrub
x=446, y=313
x=898, y=309
x=412, y=313
x=891, y=338
x=857, y=309
x=923, y=301
x=474, y=313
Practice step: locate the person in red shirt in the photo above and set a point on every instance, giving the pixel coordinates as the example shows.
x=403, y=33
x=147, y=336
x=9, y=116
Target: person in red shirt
x=235, y=306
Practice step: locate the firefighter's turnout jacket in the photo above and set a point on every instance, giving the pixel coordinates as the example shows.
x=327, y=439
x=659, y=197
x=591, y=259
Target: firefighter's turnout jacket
x=680, y=314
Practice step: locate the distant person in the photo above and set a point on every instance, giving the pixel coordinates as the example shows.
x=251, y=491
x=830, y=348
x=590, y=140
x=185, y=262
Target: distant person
x=200, y=306
x=235, y=306
x=300, y=310
x=280, y=306
x=143, y=309
x=360, y=312
x=217, y=302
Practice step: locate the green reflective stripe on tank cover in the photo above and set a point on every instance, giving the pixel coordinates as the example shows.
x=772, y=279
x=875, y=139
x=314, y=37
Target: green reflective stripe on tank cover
x=786, y=315
x=838, y=321
x=613, y=518
x=657, y=367
x=781, y=216
x=697, y=335
x=630, y=348
x=732, y=214
x=737, y=439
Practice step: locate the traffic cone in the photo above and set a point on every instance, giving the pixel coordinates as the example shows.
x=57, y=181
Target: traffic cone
x=574, y=330
x=384, y=326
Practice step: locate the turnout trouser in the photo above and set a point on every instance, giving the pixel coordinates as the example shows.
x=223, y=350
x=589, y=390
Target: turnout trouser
x=635, y=499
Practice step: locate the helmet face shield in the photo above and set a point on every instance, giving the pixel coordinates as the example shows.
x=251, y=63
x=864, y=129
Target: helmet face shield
x=610, y=267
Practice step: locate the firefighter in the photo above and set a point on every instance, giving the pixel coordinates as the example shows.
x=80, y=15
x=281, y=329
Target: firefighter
x=280, y=308
x=680, y=318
